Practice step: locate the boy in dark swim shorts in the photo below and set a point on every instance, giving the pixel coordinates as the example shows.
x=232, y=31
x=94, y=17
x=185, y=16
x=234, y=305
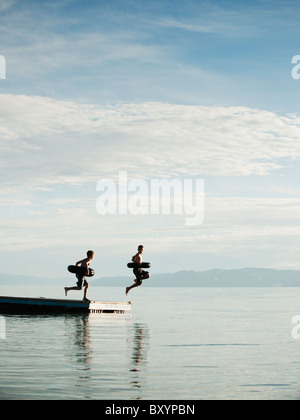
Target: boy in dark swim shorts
x=137, y=271
x=82, y=282
x=140, y=275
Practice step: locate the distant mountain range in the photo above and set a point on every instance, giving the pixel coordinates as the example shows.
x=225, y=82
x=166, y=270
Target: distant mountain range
x=246, y=277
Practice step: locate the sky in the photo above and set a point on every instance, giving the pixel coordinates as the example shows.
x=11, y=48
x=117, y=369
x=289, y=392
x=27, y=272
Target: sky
x=194, y=90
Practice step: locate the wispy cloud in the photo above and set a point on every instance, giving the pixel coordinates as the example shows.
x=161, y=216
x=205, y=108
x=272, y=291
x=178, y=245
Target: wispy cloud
x=256, y=231
x=46, y=142
x=202, y=26
x=7, y=4
x=246, y=20
x=98, y=52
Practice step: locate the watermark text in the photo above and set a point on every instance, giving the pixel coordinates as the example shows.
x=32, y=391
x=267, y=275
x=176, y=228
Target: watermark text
x=154, y=197
x=296, y=68
x=2, y=68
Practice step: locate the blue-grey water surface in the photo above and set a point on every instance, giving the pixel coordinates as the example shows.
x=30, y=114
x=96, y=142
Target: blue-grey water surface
x=177, y=344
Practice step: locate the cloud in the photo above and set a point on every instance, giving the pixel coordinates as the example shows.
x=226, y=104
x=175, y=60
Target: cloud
x=7, y=4
x=52, y=153
x=201, y=26
x=257, y=230
x=46, y=142
x=246, y=21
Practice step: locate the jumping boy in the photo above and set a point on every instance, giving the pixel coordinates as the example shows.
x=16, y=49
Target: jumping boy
x=137, y=271
x=82, y=282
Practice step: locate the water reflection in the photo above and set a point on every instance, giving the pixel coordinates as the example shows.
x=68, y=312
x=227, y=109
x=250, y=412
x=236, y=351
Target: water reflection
x=94, y=358
x=140, y=347
x=84, y=330
x=79, y=348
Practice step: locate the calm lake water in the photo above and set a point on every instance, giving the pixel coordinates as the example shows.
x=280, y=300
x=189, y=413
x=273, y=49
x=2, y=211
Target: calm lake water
x=177, y=344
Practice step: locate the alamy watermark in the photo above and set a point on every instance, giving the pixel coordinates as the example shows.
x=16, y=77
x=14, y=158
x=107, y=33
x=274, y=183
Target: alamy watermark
x=296, y=327
x=296, y=68
x=153, y=197
x=2, y=328
x=2, y=68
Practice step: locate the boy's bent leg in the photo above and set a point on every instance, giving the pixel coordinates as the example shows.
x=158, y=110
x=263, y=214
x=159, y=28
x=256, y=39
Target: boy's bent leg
x=129, y=288
x=136, y=284
x=67, y=289
x=86, y=288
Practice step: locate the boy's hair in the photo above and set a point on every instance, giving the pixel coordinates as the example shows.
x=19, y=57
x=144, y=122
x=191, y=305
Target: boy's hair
x=140, y=247
x=90, y=254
